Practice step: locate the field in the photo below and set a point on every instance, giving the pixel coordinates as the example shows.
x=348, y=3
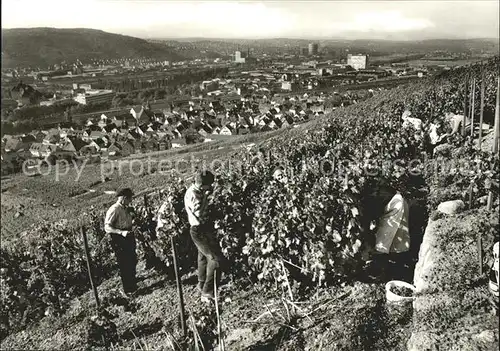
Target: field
x=296, y=280
x=449, y=63
x=51, y=197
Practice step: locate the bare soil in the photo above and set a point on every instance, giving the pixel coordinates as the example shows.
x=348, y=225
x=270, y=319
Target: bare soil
x=349, y=317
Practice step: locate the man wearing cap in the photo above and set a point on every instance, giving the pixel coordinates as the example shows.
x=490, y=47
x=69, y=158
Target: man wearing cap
x=209, y=253
x=118, y=223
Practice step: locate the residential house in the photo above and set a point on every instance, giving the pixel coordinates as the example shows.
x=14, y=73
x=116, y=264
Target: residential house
x=115, y=149
x=165, y=141
x=73, y=145
x=159, y=117
x=134, y=134
x=243, y=129
x=285, y=124
x=192, y=114
x=7, y=137
x=35, y=149
x=65, y=132
x=98, y=134
x=217, y=106
x=53, y=136
x=277, y=122
x=227, y=130
x=94, y=128
x=41, y=150
x=90, y=149
x=211, y=123
x=124, y=120
x=78, y=133
x=14, y=144
x=272, y=125
x=168, y=135
x=177, y=134
x=110, y=129
x=124, y=148
x=317, y=108
x=101, y=143
x=150, y=145
x=287, y=121
x=202, y=132
x=178, y=143
x=137, y=112
x=102, y=123
x=135, y=139
x=265, y=128
x=39, y=136
x=206, y=127
x=155, y=126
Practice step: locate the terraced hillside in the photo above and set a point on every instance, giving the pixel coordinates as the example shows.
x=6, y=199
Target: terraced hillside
x=296, y=248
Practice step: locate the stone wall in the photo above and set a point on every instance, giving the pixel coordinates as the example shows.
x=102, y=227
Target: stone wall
x=452, y=309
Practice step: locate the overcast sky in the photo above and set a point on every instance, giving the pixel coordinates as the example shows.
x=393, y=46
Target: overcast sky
x=252, y=19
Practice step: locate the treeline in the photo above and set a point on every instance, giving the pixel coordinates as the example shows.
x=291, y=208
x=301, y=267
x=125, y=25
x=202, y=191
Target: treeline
x=65, y=108
x=27, y=126
x=19, y=127
x=139, y=97
x=179, y=78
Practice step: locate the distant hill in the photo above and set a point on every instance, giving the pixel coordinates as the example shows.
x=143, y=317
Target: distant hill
x=41, y=47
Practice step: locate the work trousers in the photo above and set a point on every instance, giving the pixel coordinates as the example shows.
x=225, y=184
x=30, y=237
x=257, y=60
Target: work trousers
x=124, y=248
x=209, y=257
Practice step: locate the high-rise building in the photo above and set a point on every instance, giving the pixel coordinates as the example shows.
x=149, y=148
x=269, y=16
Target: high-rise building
x=357, y=61
x=238, y=58
x=244, y=57
x=313, y=48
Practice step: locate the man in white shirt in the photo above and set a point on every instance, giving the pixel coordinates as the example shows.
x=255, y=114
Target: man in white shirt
x=412, y=122
x=384, y=222
x=455, y=121
x=118, y=223
x=209, y=253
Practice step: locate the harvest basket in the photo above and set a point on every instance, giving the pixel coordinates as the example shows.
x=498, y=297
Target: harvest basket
x=393, y=296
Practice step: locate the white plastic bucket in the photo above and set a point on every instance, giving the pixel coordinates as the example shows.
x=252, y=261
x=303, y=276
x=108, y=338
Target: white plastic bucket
x=393, y=297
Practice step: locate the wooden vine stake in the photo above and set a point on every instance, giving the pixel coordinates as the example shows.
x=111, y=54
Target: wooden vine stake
x=471, y=98
x=222, y=346
x=472, y=108
x=466, y=86
x=146, y=204
x=497, y=120
x=179, y=288
x=481, y=110
x=89, y=266
x=471, y=195
x=480, y=252
x=496, y=134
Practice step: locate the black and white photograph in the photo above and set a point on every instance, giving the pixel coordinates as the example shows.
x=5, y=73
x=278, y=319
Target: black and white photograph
x=291, y=175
